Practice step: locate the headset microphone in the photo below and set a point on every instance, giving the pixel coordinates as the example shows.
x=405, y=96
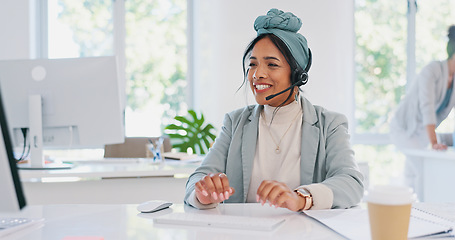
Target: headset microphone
x=301, y=75
x=285, y=90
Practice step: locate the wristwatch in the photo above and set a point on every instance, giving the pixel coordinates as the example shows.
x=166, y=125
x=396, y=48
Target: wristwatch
x=302, y=192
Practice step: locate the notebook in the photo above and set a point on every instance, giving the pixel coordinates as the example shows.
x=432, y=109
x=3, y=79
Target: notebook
x=444, y=211
x=354, y=223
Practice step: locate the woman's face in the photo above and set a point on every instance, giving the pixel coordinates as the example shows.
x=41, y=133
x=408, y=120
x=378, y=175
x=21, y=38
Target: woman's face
x=269, y=73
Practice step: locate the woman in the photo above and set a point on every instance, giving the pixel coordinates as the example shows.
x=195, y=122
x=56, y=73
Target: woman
x=284, y=150
x=427, y=103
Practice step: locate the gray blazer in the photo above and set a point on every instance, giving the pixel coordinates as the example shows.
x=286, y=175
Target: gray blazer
x=326, y=155
x=425, y=95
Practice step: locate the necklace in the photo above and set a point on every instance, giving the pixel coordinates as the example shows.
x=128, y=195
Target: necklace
x=277, y=149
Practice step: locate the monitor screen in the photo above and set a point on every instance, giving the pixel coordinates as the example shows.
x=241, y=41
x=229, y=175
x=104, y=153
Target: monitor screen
x=62, y=103
x=11, y=197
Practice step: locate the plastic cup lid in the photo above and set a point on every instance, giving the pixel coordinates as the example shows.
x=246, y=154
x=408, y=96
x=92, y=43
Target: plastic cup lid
x=390, y=195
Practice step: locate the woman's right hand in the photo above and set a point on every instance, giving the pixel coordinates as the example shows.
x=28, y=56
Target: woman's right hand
x=433, y=138
x=439, y=146
x=213, y=188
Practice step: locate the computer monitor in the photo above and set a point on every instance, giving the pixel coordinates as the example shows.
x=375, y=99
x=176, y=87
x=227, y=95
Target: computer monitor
x=11, y=197
x=62, y=104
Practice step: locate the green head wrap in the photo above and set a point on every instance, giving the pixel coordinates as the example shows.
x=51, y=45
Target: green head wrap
x=451, y=43
x=285, y=26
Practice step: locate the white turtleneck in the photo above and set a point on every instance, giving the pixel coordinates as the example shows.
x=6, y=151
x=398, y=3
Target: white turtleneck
x=285, y=165
x=285, y=131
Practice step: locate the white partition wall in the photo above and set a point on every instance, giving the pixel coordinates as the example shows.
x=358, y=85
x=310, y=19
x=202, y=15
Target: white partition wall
x=223, y=29
x=15, y=29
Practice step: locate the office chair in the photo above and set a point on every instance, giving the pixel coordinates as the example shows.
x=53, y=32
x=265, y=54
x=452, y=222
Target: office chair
x=133, y=147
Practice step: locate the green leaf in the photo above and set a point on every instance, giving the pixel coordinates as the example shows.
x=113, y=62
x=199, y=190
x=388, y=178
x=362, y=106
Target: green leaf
x=201, y=120
x=197, y=135
x=195, y=118
x=183, y=120
x=174, y=135
x=207, y=143
x=207, y=128
x=174, y=127
x=199, y=144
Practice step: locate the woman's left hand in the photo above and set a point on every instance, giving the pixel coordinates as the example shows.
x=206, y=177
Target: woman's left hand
x=278, y=194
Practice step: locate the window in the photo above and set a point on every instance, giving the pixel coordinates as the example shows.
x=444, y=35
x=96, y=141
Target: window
x=80, y=28
x=156, y=64
x=154, y=51
x=394, y=41
x=382, y=29
x=380, y=62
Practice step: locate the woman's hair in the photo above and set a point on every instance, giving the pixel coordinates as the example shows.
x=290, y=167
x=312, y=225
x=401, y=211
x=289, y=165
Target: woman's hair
x=281, y=47
x=451, y=43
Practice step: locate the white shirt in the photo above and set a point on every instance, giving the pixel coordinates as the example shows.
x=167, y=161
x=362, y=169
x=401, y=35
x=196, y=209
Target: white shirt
x=285, y=133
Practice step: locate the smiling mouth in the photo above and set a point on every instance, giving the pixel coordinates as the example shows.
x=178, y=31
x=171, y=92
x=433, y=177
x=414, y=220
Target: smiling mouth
x=262, y=86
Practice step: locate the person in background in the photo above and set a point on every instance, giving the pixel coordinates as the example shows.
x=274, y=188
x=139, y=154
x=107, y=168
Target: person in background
x=426, y=104
x=283, y=151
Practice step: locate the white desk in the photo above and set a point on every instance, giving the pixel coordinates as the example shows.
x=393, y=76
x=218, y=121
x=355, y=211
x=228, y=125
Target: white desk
x=108, y=182
x=121, y=222
x=438, y=174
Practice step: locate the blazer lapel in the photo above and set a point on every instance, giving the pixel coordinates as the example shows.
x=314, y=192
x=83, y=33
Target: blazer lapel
x=310, y=142
x=249, y=140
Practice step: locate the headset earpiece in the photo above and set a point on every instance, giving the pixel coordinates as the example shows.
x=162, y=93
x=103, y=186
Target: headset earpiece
x=300, y=77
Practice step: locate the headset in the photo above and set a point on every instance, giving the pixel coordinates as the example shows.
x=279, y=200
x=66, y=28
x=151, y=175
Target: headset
x=300, y=76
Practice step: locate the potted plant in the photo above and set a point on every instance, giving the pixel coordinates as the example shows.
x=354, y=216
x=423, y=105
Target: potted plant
x=191, y=132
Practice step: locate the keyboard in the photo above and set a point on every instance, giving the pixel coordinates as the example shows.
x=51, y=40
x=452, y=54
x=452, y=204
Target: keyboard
x=11, y=225
x=220, y=221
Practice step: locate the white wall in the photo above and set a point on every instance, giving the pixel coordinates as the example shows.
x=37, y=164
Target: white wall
x=223, y=29
x=14, y=29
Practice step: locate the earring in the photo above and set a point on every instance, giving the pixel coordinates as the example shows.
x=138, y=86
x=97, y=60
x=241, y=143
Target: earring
x=296, y=96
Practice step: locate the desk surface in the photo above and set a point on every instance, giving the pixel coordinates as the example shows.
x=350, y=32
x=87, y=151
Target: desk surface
x=101, y=181
x=113, y=168
x=120, y=222
x=448, y=154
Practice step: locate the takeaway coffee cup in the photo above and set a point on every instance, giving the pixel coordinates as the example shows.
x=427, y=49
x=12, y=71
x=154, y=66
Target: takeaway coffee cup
x=389, y=211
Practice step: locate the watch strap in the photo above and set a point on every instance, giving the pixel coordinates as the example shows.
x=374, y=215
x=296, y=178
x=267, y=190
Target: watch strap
x=302, y=192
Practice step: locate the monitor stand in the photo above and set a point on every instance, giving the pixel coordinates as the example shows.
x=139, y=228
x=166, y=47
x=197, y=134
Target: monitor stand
x=35, y=115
